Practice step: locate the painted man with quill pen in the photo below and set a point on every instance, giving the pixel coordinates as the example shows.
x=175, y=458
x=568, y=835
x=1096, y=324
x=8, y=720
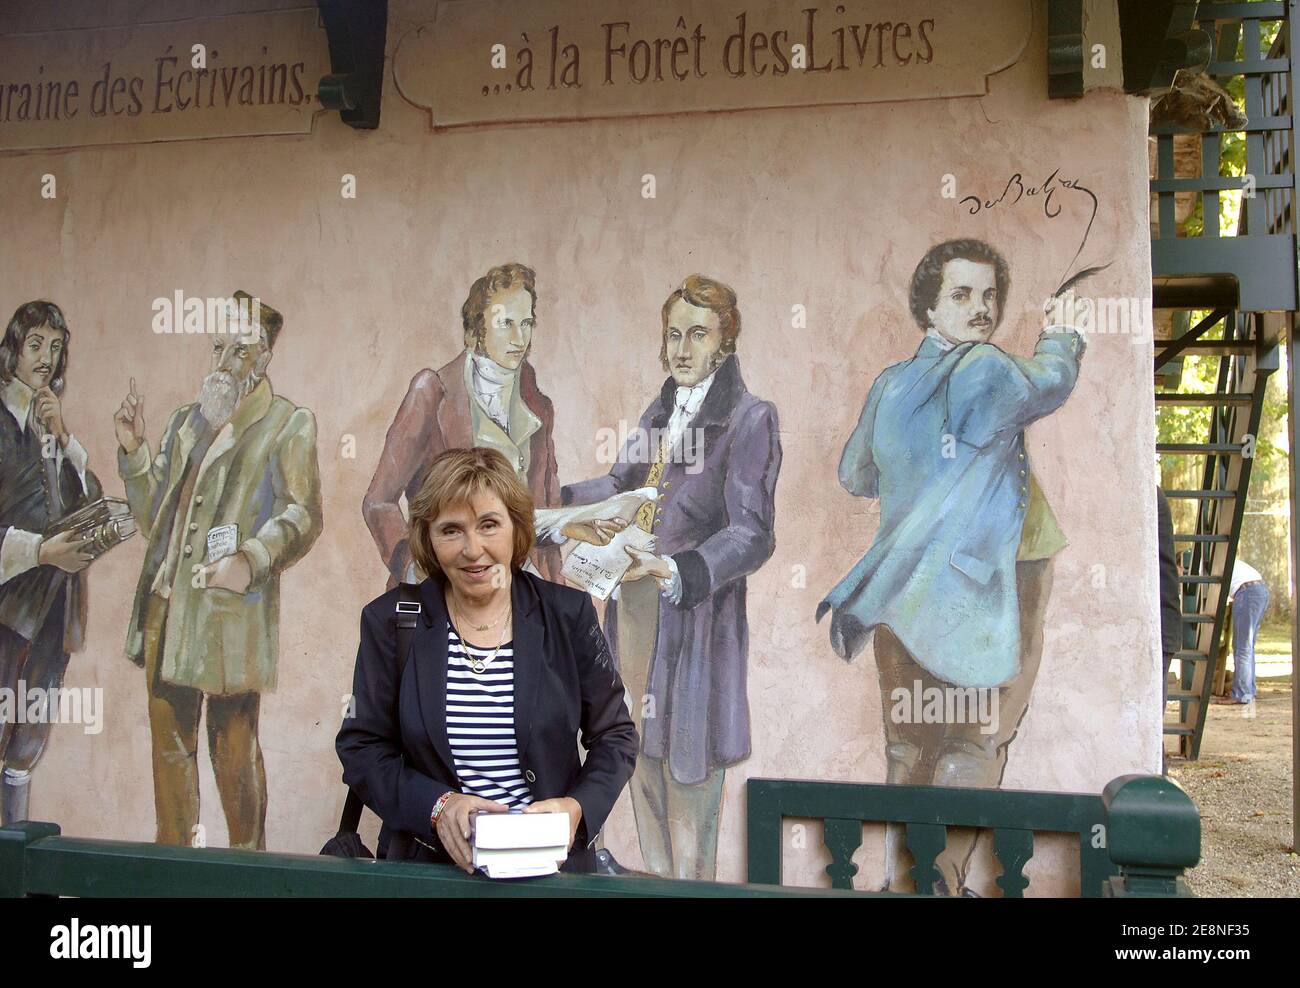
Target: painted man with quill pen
x=956, y=581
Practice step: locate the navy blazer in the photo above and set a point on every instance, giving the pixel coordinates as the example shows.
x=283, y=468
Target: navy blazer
x=394, y=746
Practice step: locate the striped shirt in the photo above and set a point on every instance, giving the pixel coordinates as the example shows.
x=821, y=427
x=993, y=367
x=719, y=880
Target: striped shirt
x=481, y=723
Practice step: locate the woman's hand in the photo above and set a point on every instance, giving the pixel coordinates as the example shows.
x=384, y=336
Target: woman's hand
x=561, y=804
x=456, y=823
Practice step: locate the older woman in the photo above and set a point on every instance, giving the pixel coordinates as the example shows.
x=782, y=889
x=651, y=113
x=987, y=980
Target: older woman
x=504, y=670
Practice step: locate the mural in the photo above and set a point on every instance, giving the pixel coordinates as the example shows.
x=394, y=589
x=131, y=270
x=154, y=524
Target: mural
x=44, y=479
x=742, y=655
x=239, y=466
x=682, y=638
x=955, y=583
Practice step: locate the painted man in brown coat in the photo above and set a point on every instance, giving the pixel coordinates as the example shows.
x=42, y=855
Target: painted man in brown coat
x=486, y=396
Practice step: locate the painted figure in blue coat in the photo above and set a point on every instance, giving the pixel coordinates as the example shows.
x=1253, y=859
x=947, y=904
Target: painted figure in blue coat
x=957, y=579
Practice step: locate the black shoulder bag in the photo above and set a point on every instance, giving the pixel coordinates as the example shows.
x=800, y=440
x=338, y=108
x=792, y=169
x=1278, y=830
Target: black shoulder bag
x=347, y=842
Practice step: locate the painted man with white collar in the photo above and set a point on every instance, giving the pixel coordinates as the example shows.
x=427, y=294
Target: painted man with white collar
x=678, y=625
x=230, y=500
x=956, y=581
x=486, y=396
x=43, y=477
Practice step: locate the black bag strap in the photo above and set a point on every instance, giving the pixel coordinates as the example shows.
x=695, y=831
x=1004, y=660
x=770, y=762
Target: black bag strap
x=406, y=614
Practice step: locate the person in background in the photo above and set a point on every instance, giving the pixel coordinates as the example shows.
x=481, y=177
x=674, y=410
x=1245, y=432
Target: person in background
x=1171, y=589
x=1249, y=597
x=1171, y=608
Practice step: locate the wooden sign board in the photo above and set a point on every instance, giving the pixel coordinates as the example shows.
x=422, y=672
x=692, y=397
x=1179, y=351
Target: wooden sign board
x=251, y=74
x=488, y=61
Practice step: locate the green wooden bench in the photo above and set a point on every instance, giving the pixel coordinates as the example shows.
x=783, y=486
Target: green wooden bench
x=1136, y=838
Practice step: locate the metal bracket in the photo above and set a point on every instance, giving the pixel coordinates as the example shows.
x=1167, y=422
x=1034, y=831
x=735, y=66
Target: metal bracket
x=1159, y=38
x=1064, y=49
x=356, y=30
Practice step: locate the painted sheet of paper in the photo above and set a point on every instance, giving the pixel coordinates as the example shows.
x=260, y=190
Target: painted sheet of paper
x=598, y=569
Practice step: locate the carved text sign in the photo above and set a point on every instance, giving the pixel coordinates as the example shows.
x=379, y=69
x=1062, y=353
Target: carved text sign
x=210, y=77
x=485, y=61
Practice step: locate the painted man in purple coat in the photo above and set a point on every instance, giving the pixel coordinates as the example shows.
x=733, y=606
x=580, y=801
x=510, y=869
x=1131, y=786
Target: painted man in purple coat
x=677, y=622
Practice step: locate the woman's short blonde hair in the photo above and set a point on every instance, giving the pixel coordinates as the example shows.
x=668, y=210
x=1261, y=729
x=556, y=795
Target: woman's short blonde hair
x=454, y=478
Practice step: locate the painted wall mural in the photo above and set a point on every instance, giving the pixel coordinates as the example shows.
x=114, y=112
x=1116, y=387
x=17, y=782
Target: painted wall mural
x=487, y=395
x=809, y=594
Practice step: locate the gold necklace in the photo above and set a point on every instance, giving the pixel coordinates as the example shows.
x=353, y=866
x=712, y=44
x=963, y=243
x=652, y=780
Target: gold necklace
x=482, y=627
x=477, y=663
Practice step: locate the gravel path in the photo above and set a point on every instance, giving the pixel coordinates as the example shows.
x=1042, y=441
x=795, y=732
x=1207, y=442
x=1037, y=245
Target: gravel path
x=1242, y=786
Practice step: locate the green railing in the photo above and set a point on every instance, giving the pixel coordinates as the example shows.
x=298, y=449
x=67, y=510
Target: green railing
x=1134, y=839
x=36, y=860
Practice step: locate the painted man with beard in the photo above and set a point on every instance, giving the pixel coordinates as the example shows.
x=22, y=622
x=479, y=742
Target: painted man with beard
x=231, y=500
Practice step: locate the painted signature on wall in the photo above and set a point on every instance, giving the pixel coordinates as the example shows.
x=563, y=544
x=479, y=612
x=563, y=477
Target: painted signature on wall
x=1016, y=190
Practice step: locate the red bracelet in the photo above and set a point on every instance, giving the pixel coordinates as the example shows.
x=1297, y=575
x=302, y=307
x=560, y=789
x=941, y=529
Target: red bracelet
x=438, y=807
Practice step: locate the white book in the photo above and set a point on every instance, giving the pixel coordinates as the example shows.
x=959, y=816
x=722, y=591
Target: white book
x=520, y=845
